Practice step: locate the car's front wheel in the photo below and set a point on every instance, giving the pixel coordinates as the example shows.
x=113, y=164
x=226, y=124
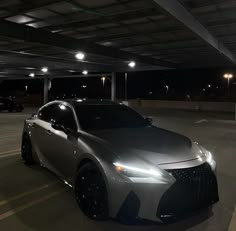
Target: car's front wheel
x=26, y=150
x=91, y=192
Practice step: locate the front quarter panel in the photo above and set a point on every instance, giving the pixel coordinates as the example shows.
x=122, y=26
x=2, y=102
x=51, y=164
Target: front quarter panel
x=119, y=186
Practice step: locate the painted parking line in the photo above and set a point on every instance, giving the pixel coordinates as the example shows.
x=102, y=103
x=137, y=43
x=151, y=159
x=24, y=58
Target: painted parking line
x=10, y=151
x=13, y=198
x=9, y=155
x=201, y=121
x=28, y=205
x=232, y=225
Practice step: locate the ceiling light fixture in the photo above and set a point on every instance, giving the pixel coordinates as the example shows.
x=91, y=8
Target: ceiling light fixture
x=132, y=64
x=44, y=69
x=32, y=75
x=80, y=55
x=85, y=72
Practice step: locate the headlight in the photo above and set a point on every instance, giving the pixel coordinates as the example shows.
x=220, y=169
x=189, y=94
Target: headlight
x=209, y=157
x=132, y=171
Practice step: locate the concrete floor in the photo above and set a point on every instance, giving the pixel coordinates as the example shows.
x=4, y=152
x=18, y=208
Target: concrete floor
x=31, y=198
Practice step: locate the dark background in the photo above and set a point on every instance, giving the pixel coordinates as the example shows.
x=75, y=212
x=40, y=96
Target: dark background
x=145, y=85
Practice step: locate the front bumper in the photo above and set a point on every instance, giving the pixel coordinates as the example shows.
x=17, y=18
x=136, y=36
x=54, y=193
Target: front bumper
x=193, y=189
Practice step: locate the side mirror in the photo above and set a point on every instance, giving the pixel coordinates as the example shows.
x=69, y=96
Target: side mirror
x=60, y=128
x=149, y=120
x=34, y=116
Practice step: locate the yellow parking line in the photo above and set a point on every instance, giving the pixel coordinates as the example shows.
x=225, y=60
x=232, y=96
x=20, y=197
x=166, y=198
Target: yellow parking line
x=232, y=225
x=26, y=193
x=28, y=205
x=5, y=152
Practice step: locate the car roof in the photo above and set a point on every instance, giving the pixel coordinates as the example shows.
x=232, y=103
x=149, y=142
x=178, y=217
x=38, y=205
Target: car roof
x=76, y=102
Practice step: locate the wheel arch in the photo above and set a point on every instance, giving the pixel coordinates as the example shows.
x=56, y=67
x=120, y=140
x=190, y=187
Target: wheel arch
x=89, y=158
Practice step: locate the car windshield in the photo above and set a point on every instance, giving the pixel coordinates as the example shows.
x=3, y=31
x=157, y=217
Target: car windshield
x=97, y=117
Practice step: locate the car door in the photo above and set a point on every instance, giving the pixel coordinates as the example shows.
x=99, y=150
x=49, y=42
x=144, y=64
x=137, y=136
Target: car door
x=40, y=132
x=62, y=146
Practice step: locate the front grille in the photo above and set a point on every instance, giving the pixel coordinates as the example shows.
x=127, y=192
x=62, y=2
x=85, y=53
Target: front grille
x=195, y=188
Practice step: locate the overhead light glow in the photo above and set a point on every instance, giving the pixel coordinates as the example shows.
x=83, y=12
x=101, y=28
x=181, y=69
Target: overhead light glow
x=83, y=86
x=132, y=64
x=85, y=72
x=228, y=76
x=62, y=107
x=80, y=55
x=29, y=68
x=32, y=75
x=44, y=69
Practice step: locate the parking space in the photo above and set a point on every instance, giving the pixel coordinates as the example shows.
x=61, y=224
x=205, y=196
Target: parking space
x=32, y=198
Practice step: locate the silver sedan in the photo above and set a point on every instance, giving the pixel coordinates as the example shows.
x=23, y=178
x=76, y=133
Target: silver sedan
x=118, y=163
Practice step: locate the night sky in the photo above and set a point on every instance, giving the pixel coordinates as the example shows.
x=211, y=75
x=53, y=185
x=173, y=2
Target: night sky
x=150, y=85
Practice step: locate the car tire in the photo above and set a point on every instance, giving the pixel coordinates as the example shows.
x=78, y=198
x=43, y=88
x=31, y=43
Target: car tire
x=91, y=193
x=26, y=150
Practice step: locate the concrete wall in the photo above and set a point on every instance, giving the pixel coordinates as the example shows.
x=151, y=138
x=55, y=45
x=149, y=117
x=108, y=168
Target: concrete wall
x=185, y=105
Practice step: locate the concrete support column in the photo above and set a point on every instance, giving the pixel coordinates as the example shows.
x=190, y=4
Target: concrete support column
x=126, y=93
x=45, y=90
x=113, y=86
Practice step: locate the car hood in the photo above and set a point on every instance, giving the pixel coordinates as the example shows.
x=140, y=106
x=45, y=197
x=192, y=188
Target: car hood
x=150, y=144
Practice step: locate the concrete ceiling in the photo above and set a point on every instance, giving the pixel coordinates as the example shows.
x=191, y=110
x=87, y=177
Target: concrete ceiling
x=157, y=34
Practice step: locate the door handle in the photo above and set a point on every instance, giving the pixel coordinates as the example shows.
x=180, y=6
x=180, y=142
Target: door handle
x=49, y=133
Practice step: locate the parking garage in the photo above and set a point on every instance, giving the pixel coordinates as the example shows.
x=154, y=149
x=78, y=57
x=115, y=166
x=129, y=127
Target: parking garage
x=54, y=39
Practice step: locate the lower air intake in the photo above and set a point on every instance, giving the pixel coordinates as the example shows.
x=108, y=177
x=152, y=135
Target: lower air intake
x=195, y=188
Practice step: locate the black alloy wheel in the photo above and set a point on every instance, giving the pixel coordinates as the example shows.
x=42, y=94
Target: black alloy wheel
x=26, y=150
x=91, y=193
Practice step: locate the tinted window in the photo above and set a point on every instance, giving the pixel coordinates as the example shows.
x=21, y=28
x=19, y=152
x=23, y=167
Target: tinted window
x=59, y=114
x=94, y=117
x=63, y=115
x=46, y=113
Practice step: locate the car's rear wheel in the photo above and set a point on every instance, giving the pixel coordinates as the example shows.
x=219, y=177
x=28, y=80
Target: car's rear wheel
x=26, y=150
x=91, y=192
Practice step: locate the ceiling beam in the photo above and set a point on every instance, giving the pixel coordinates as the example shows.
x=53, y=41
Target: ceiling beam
x=29, y=34
x=18, y=76
x=27, y=60
x=116, y=19
x=21, y=61
x=29, y=6
x=177, y=11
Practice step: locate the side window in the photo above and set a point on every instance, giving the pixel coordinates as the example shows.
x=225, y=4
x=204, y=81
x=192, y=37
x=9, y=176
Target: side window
x=46, y=113
x=64, y=116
